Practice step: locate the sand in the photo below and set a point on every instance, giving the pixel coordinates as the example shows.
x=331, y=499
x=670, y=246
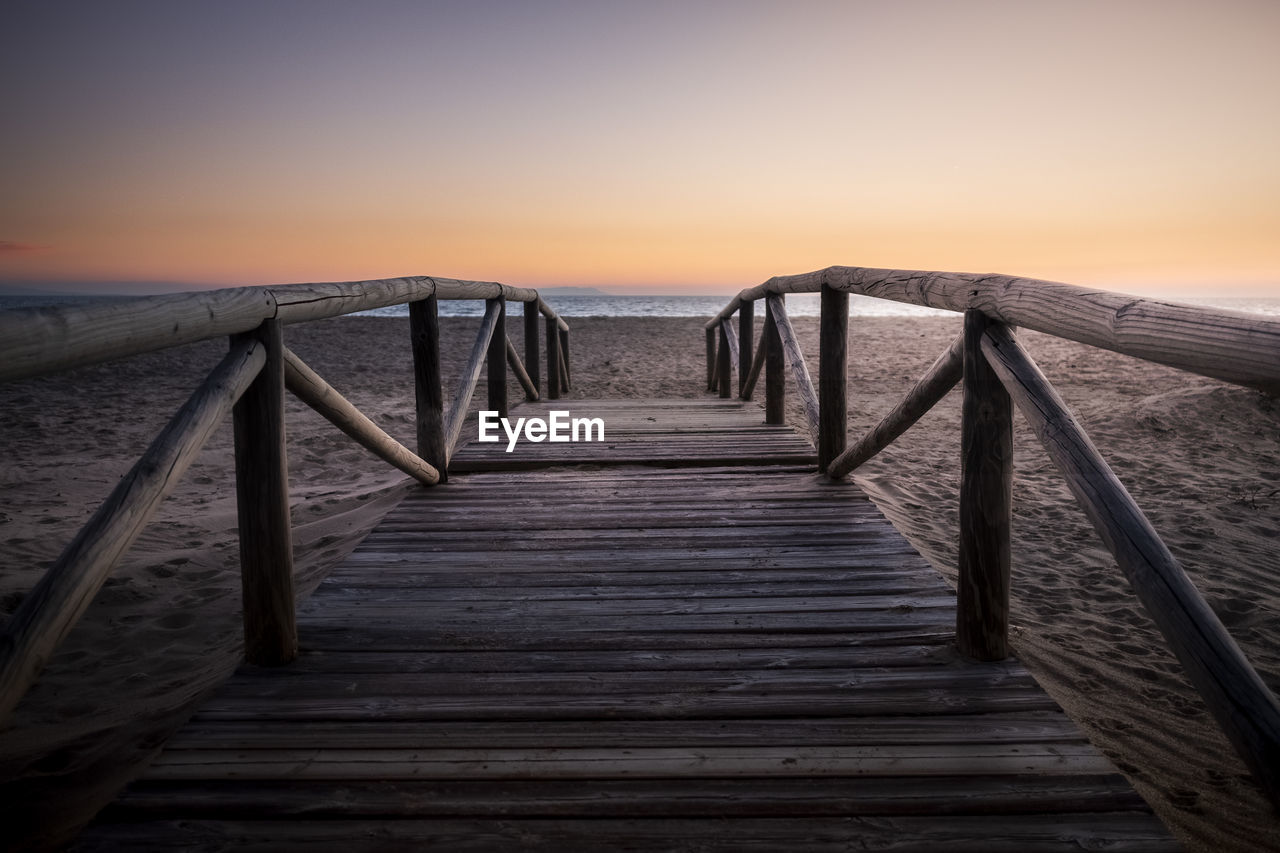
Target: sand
x=1201, y=457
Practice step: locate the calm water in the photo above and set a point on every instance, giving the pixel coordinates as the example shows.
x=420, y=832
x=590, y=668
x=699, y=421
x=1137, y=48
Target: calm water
x=798, y=305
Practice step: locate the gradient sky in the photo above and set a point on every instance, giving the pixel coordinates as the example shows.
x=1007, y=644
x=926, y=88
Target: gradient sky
x=644, y=145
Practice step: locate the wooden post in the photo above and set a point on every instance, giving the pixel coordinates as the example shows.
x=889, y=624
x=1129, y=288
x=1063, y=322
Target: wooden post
x=424, y=333
x=497, y=361
x=565, y=378
x=711, y=359
x=833, y=376
x=262, y=503
x=986, y=481
x=531, y=365
x=724, y=364
x=775, y=366
x=746, y=329
x=553, y=359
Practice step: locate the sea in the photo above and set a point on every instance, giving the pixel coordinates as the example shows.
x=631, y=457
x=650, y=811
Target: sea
x=594, y=305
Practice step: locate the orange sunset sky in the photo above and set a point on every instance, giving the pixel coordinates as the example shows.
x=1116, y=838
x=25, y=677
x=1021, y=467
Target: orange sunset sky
x=640, y=146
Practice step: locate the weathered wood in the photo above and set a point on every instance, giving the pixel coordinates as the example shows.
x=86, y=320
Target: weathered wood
x=532, y=366
x=522, y=375
x=707, y=832
x=711, y=358
x=545, y=310
x=452, y=288
x=1244, y=707
x=309, y=387
x=941, y=377
x=432, y=433
x=689, y=433
x=566, y=377
x=799, y=370
x=39, y=341
x=775, y=365
x=262, y=507
x=58, y=600
x=496, y=359
x=578, y=678
x=297, y=303
x=724, y=363
x=1229, y=345
x=833, y=376
x=470, y=376
x=746, y=333
x=554, y=381
x=757, y=363
x=986, y=503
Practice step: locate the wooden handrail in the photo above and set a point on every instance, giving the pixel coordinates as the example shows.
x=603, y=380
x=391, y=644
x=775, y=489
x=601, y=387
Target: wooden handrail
x=308, y=386
x=1227, y=345
x=48, y=339
x=1233, y=346
x=1244, y=707
x=53, y=606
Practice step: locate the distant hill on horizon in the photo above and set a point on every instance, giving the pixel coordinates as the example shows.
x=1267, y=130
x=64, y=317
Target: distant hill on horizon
x=573, y=290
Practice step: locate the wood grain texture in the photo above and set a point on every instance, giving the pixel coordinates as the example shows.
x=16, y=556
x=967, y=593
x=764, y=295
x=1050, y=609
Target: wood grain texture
x=937, y=382
x=604, y=656
x=496, y=360
x=775, y=365
x=746, y=333
x=1229, y=345
x=39, y=341
x=298, y=303
x=470, y=376
x=432, y=431
x=711, y=359
x=532, y=366
x=555, y=382
x=799, y=369
x=1244, y=707
x=833, y=376
x=566, y=379
x=986, y=502
x=262, y=508
x=522, y=375
x=59, y=599
x=309, y=387
x=724, y=363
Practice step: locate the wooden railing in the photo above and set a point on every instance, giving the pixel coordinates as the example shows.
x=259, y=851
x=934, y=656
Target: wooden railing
x=250, y=383
x=996, y=373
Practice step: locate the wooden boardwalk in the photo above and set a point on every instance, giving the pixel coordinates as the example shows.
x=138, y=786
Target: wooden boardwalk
x=621, y=657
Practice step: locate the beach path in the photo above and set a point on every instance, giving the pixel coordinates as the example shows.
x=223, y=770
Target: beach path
x=678, y=638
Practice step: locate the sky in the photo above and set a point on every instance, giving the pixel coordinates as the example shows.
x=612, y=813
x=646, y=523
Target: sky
x=698, y=146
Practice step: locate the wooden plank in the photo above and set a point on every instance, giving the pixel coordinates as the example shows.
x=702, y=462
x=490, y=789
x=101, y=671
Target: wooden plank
x=787, y=796
x=672, y=654
x=432, y=432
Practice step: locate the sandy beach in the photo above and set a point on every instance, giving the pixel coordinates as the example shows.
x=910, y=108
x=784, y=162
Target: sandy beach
x=1201, y=457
